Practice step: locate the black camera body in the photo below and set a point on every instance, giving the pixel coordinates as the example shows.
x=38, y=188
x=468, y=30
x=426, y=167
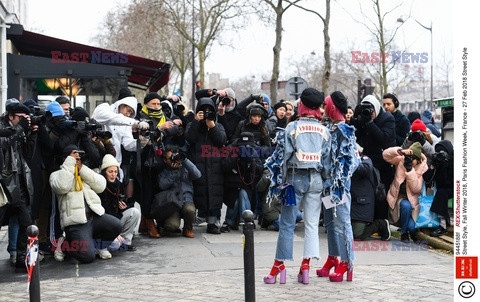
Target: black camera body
x=178, y=157
x=440, y=158
x=102, y=134
x=37, y=120
x=366, y=110
x=92, y=126
x=417, y=136
x=225, y=101
x=209, y=115
x=147, y=132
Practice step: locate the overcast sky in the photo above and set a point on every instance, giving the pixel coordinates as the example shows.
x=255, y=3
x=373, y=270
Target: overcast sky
x=78, y=21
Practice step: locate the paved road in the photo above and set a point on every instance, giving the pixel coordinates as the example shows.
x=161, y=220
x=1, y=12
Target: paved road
x=210, y=268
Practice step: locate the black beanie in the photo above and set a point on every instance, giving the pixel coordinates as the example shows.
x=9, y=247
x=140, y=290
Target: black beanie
x=340, y=101
x=150, y=96
x=79, y=114
x=312, y=98
x=278, y=105
x=124, y=92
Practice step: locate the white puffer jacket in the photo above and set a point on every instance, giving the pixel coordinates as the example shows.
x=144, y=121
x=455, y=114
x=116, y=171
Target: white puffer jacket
x=71, y=202
x=119, y=125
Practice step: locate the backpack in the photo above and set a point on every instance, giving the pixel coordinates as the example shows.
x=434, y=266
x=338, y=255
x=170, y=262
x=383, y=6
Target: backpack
x=378, y=187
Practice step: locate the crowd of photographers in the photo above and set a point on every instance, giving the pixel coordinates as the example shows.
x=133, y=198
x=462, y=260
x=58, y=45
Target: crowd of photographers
x=80, y=177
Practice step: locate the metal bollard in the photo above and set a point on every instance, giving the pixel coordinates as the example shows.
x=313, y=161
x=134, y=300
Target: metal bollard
x=248, y=256
x=34, y=286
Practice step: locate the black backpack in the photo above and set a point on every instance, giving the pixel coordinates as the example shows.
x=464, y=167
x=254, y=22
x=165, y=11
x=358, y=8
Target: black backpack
x=378, y=187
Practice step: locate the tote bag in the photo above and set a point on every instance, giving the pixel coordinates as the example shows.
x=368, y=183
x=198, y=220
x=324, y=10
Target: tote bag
x=426, y=218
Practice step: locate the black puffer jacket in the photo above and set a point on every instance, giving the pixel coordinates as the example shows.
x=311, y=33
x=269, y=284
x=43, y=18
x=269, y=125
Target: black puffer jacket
x=208, y=189
x=363, y=196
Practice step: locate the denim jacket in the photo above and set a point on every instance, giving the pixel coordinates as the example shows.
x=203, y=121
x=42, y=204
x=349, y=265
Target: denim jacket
x=307, y=146
x=345, y=160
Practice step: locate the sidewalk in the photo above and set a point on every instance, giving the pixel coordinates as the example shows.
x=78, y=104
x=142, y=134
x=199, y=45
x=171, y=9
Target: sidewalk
x=210, y=267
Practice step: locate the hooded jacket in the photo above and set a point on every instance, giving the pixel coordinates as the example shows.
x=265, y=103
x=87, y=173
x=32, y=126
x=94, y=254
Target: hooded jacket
x=208, y=189
x=119, y=125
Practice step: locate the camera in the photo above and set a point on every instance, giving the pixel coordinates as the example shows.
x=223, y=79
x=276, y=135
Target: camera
x=366, y=110
x=81, y=153
x=102, y=134
x=37, y=120
x=439, y=158
x=417, y=136
x=209, y=115
x=147, y=132
x=92, y=126
x=178, y=157
x=225, y=101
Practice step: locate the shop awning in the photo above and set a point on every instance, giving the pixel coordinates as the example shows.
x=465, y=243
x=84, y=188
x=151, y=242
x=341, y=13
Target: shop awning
x=145, y=73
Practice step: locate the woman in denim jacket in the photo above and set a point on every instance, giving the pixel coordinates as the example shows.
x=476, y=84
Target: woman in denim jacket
x=345, y=160
x=306, y=154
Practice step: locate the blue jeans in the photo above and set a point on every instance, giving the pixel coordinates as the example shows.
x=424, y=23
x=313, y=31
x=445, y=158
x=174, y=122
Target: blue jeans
x=308, y=186
x=276, y=222
x=13, y=228
x=406, y=220
x=339, y=232
x=242, y=203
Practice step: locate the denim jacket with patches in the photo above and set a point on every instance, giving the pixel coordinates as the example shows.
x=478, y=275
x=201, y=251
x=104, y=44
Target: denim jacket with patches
x=307, y=146
x=345, y=160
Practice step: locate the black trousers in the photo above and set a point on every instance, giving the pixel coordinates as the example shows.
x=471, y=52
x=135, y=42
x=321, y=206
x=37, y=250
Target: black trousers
x=97, y=233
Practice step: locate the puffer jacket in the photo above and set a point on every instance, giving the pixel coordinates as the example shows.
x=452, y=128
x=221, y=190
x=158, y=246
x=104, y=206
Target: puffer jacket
x=72, y=202
x=414, y=180
x=119, y=125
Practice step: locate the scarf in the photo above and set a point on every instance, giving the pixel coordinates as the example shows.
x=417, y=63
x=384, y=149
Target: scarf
x=154, y=114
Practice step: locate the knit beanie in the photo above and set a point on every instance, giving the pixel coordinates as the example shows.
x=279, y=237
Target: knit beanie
x=79, y=114
x=278, y=105
x=418, y=125
x=124, y=92
x=230, y=93
x=108, y=161
x=417, y=150
x=55, y=109
x=412, y=116
x=150, y=96
x=332, y=111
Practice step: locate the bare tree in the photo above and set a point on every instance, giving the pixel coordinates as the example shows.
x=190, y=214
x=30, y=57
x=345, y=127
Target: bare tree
x=279, y=10
x=383, y=39
x=326, y=41
x=200, y=22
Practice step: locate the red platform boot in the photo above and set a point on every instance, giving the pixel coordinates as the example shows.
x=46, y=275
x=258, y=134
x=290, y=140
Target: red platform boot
x=332, y=261
x=341, y=269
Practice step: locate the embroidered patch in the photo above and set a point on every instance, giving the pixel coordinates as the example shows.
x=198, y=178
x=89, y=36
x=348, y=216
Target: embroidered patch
x=308, y=156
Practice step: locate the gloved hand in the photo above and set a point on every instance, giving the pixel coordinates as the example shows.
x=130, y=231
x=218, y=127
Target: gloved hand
x=142, y=125
x=364, y=119
x=143, y=141
x=407, y=163
x=257, y=98
x=25, y=124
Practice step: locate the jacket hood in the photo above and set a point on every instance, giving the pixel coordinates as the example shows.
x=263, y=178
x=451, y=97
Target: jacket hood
x=203, y=102
x=373, y=100
x=445, y=145
x=130, y=101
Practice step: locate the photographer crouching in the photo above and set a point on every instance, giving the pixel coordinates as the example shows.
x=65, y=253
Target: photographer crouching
x=17, y=141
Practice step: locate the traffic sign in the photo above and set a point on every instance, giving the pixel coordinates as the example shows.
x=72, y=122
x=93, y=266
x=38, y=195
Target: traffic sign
x=295, y=86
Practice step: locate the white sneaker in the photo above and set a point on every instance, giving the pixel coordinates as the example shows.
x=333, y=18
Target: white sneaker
x=58, y=254
x=104, y=254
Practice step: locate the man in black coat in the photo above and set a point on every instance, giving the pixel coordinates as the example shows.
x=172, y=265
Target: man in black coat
x=375, y=133
x=206, y=138
x=227, y=111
